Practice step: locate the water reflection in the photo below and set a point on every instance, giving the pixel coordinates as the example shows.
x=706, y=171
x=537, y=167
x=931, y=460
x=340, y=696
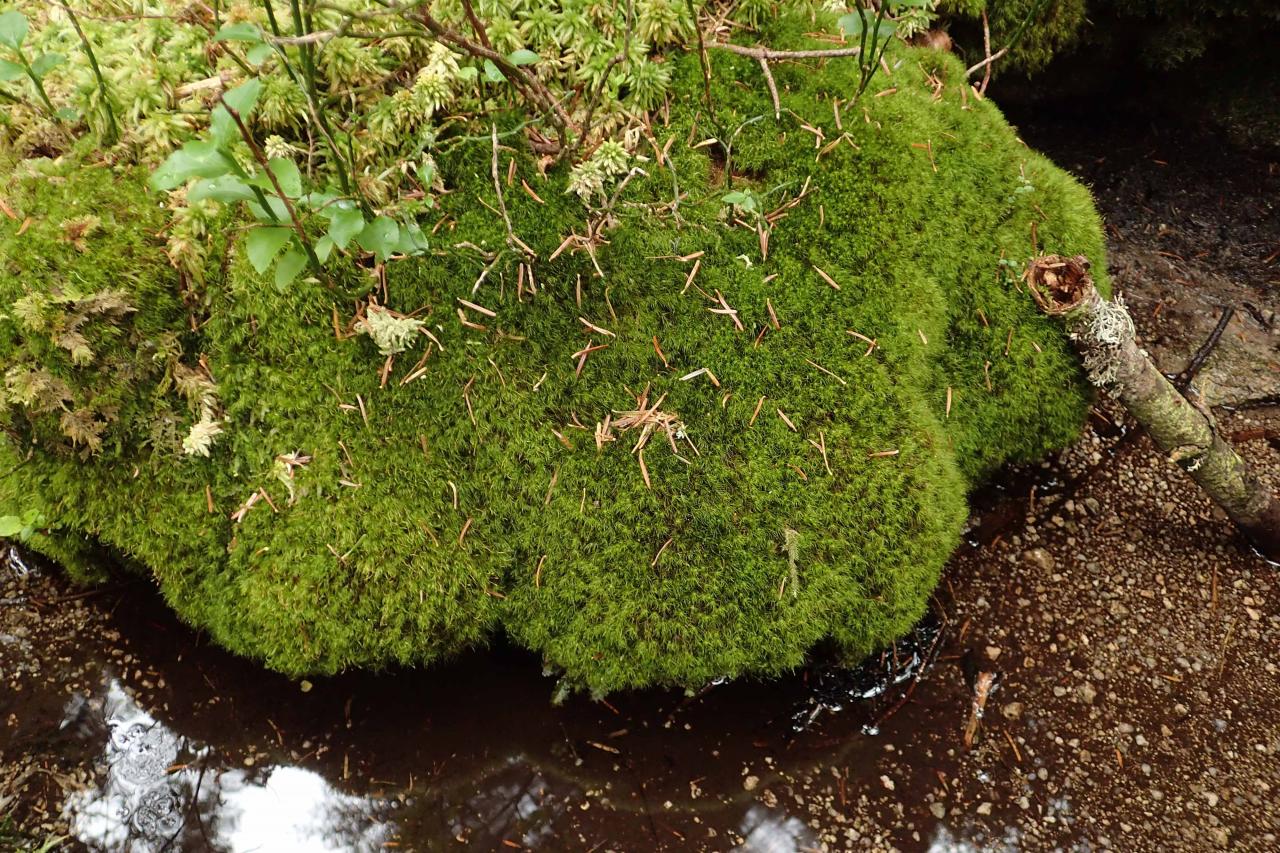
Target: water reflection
x=773, y=831
x=516, y=805
x=161, y=791
x=1011, y=839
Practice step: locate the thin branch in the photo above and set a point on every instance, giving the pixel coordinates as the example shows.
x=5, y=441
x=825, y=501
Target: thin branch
x=984, y=63
x=986, y=51
x=476, y=26
x=1183, y=380
x=261, y=159
x=1017, y=37
x=703, y=62
x=525, y=83
x=497, y=183
x=624, y=56
x=113, y=133
x=769, y=53
x=773, y=88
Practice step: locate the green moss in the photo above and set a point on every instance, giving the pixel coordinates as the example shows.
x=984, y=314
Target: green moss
x=434, y=512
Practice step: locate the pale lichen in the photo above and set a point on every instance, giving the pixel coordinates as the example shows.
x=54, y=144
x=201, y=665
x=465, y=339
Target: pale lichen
x=392, y=333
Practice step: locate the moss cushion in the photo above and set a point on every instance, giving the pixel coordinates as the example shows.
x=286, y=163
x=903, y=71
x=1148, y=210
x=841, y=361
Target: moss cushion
x=804, y=487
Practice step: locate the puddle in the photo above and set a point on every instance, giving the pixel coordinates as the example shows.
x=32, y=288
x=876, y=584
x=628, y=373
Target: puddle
x=162, y=791
x=186, y=747
x=182, y=746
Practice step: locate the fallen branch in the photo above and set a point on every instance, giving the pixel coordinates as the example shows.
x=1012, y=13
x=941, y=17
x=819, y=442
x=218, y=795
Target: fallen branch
x=764, y=55
x=767, y=53
x=1103, y=333
x=1184, y=379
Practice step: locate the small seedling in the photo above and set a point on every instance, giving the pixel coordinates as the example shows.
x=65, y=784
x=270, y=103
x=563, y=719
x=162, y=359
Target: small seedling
x=13, y=32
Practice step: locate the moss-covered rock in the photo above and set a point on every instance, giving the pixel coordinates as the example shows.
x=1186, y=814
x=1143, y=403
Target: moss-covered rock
x=804, y=488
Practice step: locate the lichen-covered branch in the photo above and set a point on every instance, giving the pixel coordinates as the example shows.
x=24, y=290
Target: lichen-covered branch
x=1104, y=335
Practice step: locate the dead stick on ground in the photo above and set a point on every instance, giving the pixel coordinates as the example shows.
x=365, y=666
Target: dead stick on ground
x=1103, y=333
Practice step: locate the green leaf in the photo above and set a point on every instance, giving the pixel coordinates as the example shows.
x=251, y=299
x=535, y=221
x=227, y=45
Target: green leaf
x=46, y=62
x=851, y=24
x=226, y=189
x=286, y=172
x=198, y=159
x=10, y=71
x=745, y=200
x=11, y=526
x=323, y=247
x=412, y=241
x=263, y=244
x=259, y=54
x=321, y=203
x=243, y=97
x=68, y=114
x=426, y=172
x=523, y=56
x=491, y=72
x=275, y=210
x=380, y=237
x=289, y=267
x=345, y=225
x=13, y=29
x=222, y=128
x=243, y=31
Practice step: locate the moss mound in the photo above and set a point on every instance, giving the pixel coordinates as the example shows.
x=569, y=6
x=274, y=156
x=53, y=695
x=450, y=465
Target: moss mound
x=801, y=489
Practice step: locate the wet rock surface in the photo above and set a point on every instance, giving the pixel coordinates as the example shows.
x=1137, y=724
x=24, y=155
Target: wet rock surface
x=1124, y=634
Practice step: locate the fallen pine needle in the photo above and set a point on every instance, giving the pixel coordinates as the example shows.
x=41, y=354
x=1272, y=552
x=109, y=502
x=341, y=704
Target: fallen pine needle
x=474, y=307
x=828, y=279
x=658, y=349
x=828, y=372
x=693, y=273
x=982, y=687
x=1017, y=754
x=593, y=327
x=871, y=343
x=533, y=195
x=700, y=371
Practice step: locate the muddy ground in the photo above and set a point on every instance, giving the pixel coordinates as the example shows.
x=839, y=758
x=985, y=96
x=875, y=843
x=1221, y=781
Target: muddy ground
x=1131, y=636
